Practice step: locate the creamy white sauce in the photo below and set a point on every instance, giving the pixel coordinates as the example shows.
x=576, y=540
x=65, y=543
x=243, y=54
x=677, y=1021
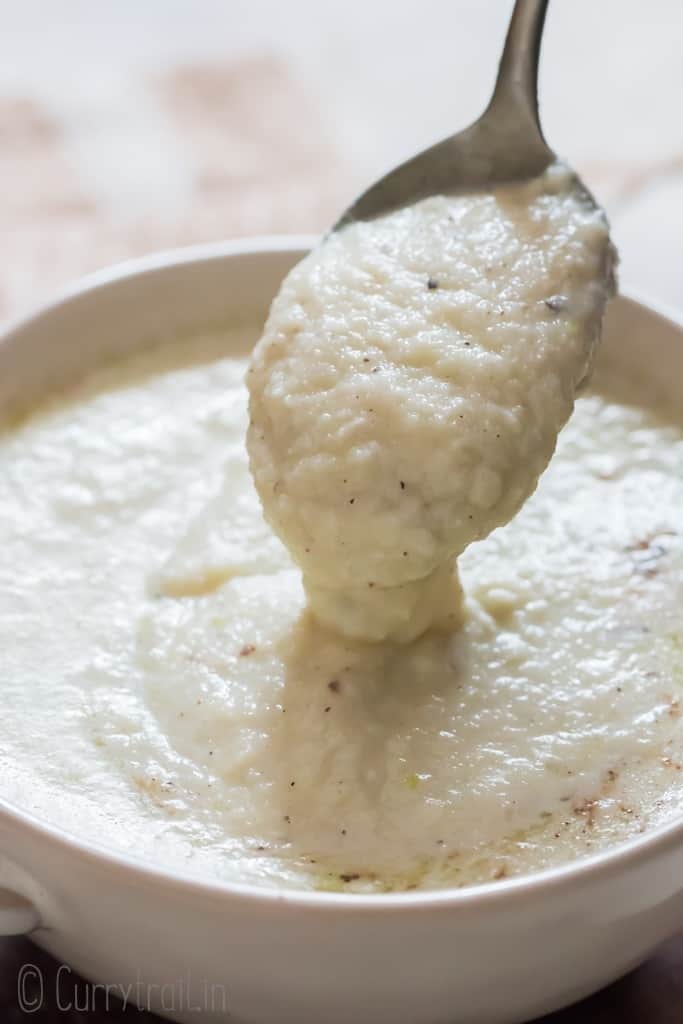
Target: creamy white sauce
x=409, y=387
x=165, y=692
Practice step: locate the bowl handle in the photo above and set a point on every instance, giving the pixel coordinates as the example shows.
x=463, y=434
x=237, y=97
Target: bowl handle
x=17, y=915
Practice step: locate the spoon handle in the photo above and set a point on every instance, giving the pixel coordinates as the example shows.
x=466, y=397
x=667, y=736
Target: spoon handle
x=506, y=144
x=516, y=89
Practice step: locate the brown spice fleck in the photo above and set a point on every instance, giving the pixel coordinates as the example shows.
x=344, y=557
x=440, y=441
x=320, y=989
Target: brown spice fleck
x=587, y=807
x=501, y=872
x=349, y=876
x=247, y=650
x=328, y=708
x=432, y=283
x=333, y=685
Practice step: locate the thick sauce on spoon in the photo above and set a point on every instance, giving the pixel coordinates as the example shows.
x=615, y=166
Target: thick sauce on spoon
x=409, y=388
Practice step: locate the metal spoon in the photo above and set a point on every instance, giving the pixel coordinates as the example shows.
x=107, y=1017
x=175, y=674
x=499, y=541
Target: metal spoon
x=506, y=143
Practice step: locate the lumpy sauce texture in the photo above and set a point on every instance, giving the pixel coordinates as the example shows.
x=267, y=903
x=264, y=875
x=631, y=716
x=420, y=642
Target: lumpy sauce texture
x=409, y=387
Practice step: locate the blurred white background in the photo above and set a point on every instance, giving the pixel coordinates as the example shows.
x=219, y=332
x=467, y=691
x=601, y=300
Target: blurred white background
x=167, y=110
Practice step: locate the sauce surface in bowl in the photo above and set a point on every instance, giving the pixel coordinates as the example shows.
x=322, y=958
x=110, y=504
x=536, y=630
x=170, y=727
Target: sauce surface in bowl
x=165, y=690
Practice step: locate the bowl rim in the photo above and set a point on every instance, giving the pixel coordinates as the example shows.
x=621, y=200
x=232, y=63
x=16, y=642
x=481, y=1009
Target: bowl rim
x=500, y=893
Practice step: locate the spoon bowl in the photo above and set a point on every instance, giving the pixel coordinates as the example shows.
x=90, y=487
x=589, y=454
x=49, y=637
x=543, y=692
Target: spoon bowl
x=505, y=144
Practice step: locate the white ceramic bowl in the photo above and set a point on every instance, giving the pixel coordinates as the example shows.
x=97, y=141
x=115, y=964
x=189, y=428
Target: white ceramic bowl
x=501, y=952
